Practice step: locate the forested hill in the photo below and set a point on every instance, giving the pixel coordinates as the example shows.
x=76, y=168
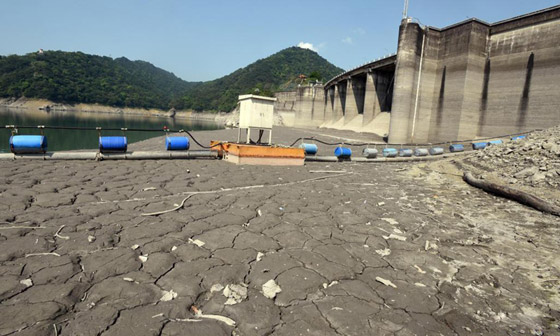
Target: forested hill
x=277, y=72
x=75, y=77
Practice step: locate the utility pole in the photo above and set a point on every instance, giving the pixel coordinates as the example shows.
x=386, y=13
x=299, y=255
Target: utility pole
x=405, y=11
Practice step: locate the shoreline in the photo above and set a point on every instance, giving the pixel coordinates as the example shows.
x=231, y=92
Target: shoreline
x=31, y=104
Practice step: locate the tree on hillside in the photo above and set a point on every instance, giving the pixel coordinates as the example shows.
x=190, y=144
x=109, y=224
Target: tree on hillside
x=274, y=73
x=315, y=76
x=75, y=77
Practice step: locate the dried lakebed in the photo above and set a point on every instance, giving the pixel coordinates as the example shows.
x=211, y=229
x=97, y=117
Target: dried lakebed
x=378, y=249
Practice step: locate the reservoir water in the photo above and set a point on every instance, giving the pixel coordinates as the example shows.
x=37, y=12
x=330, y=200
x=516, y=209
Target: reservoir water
x=74, y=139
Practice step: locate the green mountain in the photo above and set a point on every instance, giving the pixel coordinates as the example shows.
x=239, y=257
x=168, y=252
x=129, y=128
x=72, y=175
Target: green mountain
x=280, y=71
x=75, y=77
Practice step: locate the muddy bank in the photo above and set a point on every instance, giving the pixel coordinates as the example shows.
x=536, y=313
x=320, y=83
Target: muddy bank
x=367, y=249
x=221, y=118
x=46, y=105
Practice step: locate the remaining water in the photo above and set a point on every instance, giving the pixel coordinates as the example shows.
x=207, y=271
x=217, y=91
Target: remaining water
x=72, y=139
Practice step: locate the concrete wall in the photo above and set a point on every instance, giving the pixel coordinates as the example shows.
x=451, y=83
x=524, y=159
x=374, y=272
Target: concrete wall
x=523, y=81
x=477, y=79
x=462, y=82
x=304, y=108
x=285, y=107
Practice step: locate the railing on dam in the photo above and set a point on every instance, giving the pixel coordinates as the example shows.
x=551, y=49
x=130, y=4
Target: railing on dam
x=379, y=62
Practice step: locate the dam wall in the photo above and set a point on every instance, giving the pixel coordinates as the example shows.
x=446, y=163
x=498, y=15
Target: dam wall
x=470, y=80
x=310, y=106
x=302, y=108
x=475, y=79
x=285, y=107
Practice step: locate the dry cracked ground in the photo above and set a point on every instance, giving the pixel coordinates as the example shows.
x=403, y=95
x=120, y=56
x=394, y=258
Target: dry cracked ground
x=371, y=249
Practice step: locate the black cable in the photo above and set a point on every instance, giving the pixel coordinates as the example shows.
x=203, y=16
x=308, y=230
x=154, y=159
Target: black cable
x=198, y=143
x=335, y=143
x=260, y=136
x=94, y=128
x=298, y=139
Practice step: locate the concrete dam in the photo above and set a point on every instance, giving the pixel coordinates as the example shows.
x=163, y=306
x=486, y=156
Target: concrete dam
x=469, y=80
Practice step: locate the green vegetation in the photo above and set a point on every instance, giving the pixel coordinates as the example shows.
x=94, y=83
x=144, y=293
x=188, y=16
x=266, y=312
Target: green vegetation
x=75, y=77
x=278, y=72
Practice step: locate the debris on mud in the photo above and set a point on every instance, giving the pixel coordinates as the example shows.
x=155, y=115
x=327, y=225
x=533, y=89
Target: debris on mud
x=235, y=293
x=270, y=289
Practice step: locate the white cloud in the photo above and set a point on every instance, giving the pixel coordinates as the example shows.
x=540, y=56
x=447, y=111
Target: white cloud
x=306, y=45
x=347, y=40
x=359, y=31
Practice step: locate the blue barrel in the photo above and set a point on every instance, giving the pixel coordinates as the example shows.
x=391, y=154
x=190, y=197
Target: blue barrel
x=436, y=151
x=421, y=152
x=343, y=152
x=28, y=144
x=310, y=149
x=177, y=143
x=370, y=153
x=495, y=142
x=390, y=152
x=112, y=144
x=519, y=137
x=456, y=148
x=405, y=152
x=478, y=145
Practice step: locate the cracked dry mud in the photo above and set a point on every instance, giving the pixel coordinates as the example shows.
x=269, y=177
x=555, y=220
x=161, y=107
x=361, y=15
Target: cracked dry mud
x=461, y=262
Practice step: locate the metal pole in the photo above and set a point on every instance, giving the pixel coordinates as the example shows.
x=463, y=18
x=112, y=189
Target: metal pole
x=405, y=11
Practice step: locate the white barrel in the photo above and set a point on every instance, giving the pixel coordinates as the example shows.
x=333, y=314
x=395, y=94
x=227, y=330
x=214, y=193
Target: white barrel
x=370, y=153
x=421, y=152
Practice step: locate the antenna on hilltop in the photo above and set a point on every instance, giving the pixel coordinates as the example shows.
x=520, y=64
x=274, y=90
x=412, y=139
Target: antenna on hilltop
x=405, y=11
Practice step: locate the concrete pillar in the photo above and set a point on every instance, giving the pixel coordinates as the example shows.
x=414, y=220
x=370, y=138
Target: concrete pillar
x=377, y=98
x=408, y=54
x=338, y=109
x=459, y=82
x=351, y=106
x=319, y=106
x=304, y=107
x=371, y=103
x=474, y=82
x=329, y=104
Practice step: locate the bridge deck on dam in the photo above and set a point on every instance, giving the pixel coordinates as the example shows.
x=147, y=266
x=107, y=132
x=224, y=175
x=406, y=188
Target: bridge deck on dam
x=382, y=64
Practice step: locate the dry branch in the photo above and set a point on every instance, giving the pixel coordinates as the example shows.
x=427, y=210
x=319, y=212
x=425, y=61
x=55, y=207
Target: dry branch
x=512, y=194
x=57, y=235
x=42, y=254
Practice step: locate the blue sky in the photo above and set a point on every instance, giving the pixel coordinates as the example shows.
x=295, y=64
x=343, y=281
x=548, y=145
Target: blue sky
x=204, y=40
